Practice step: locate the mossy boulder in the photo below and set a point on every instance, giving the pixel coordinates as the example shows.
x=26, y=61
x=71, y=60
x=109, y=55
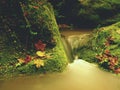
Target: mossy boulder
x=103, y=48
x=40, y=34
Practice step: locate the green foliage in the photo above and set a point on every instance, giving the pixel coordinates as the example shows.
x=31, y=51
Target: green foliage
x=88, y=13
x=27, y=69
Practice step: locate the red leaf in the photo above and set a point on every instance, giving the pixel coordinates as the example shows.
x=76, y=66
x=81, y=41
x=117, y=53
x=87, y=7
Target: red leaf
x=40, y=45
x=28, y=58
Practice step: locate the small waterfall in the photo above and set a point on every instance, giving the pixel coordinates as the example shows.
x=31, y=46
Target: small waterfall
x=67, y=48
x=77, y=41
x=72, y=43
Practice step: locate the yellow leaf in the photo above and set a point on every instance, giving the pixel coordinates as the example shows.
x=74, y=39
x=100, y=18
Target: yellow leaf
x=21, y=60
x=39, y=63
x=40, y=54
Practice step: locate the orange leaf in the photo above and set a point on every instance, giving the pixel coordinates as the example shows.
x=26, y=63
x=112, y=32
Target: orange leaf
x=107, y=52
x=35, y=7
x=117, y=70
x=21, y=60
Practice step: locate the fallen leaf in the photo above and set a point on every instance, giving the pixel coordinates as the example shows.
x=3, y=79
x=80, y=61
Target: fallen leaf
x=117, y=70
x=40, y=45
x=39, y=63
x=40, y=54
x=107, y=51
x=27, y=59
x=35, y=7
x=21, y=60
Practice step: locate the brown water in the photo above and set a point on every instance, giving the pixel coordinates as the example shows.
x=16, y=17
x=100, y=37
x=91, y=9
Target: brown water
x=79, y=75
x=68, y=32
x=73, y=39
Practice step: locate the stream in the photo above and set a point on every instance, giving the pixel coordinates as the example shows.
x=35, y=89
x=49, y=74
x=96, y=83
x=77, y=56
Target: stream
x=79, y=75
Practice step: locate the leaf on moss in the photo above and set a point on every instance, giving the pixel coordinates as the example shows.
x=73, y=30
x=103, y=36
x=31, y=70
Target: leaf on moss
x=40, y=45
x=107, y=52
x=117, y=70
x=35, y=7
x=21, y=60
x=28, y=58
x=40, y=54
x=39, y=63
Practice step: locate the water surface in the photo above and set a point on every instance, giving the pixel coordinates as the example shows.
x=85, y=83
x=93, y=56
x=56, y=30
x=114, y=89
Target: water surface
x=79, y=75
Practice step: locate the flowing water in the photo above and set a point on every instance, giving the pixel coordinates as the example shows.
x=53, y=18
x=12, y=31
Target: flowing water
x=79, y=75
x=73, y=39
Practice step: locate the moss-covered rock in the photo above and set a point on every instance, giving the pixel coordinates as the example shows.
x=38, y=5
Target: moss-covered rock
x=39, y=50
x=103, y=48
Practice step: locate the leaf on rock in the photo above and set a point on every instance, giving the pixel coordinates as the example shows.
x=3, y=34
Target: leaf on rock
x=39, y=63
x=40, y=45
x=40, y=54
x=117, y=70
x=27, y=59
x=21, y=60
x=107, y=52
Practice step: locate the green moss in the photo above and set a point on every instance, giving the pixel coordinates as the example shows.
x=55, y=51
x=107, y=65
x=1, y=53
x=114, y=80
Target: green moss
x=103, y=48
x=40, y=25
x=86, y=54
x=55, y=65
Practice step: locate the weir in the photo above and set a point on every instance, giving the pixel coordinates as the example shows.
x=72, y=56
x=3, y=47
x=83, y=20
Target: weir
x=72, y=43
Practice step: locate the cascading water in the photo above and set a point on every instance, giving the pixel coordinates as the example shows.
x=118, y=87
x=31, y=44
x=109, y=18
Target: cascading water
x=68, y=49
x=72, y=43
x=77, y=41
